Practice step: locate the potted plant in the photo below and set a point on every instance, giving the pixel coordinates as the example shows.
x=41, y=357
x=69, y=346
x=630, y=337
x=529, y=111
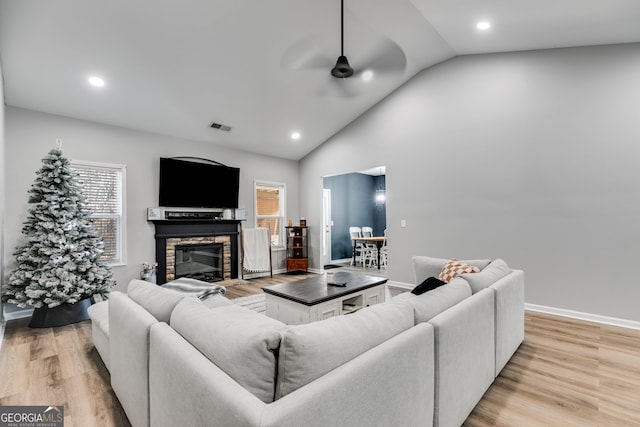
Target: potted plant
x=59, y=268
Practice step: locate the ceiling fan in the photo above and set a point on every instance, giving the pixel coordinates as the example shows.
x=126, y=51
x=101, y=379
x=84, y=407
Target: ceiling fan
x=342, y=69
x=376, y=55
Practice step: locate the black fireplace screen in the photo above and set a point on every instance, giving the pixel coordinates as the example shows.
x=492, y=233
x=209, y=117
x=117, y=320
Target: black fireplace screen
x=202, y=262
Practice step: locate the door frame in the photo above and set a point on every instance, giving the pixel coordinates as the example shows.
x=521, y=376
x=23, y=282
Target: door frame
x=325, y=238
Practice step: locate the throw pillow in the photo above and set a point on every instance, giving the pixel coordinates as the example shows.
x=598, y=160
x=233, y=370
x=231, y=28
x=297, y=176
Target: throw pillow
x=424, y=266
x=453, y=267
x=429, y=284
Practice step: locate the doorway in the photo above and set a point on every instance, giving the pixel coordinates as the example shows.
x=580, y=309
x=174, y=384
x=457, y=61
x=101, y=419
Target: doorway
x=355, y=199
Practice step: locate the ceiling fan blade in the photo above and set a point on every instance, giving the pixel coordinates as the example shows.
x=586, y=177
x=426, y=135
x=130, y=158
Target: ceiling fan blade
x=384, y=57
x=309, y=53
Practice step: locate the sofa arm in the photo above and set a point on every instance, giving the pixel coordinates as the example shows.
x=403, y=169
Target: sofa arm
x=129, y=326
x=187, y=389
x=509, y=294
x=464, y=357
x=99, y=314
x=391, y=384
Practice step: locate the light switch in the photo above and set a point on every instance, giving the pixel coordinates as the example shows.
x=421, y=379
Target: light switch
x=403, y=223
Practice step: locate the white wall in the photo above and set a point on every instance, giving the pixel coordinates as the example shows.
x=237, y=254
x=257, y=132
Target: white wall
x=530, y=156
x=30, y=135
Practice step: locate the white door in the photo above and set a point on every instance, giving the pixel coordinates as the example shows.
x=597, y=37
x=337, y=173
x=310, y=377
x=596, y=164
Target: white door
x=326, y=226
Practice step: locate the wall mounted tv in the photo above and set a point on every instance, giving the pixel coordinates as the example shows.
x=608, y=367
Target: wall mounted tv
x=198, y=184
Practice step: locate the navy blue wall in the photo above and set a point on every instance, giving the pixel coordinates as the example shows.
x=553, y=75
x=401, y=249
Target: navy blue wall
x=353, y=205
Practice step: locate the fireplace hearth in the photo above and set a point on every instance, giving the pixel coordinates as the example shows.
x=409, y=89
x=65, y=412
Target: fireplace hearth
x=203, y=250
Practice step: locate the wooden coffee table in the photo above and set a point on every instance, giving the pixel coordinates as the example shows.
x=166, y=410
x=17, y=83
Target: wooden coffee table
x=311, y=299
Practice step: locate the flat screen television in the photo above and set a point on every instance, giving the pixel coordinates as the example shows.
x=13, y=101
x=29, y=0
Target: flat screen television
x=191, y=184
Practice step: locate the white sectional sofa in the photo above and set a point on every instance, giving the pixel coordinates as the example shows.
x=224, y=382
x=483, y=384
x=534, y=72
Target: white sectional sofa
x=416, y=360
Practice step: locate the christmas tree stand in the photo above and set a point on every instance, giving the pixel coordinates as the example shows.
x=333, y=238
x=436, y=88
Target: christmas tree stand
x=63, y=314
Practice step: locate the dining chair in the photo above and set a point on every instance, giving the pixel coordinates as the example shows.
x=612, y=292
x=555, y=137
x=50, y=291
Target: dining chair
x=358, y=248
x=370, y=250
x=383, y=251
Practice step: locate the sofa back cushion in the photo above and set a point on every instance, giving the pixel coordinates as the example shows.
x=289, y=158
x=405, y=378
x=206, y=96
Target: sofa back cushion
x=431, y=303
x=241, y=342
x=311, y=350
x=159, y=302
x=424, y=266
x=488, y=276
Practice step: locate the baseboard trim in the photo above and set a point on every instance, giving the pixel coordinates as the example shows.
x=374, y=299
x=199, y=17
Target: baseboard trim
x=341, y=261
x=596, y=318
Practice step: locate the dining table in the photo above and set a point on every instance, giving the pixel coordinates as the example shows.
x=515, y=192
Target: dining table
x=378, y=240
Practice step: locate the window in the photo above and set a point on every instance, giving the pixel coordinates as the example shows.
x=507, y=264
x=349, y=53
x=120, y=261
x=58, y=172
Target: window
x=103, y=187
x=270, y=210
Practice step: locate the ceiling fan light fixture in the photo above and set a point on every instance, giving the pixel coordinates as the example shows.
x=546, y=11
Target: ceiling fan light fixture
x=342, y=68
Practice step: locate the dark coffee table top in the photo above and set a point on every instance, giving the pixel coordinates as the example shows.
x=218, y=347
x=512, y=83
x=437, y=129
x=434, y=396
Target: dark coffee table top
x=314, y=289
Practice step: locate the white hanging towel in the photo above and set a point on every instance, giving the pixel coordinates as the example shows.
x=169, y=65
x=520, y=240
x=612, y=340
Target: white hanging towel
x=256, y=246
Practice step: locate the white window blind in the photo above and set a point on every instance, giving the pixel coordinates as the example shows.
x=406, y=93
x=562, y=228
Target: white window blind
x=270, y=211
x=103, y=187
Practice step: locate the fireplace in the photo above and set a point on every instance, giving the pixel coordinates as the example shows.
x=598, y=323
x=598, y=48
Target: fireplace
x=199, y=261
x=203, y=250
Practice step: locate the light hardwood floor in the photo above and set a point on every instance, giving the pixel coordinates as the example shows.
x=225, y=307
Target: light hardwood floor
x=566, y=373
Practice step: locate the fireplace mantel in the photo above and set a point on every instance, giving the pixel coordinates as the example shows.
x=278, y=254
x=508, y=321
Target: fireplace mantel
x=171, y=229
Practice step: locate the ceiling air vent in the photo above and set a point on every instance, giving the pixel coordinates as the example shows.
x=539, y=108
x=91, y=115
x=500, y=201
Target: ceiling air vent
x=221, y=127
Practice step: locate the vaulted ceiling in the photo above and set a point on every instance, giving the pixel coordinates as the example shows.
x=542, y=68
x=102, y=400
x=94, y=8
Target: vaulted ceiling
x=262, y=67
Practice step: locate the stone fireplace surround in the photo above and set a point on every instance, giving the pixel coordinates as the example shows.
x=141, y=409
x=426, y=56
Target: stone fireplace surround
x=170, y=233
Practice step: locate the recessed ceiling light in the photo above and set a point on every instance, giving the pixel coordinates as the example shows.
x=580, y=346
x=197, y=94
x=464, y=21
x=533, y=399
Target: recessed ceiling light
x=295, y=135
x=96, y=81
x=484, y=25
x=367, y=75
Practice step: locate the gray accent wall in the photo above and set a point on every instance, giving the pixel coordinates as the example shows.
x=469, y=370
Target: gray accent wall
x=532, y=157
x=30, y=135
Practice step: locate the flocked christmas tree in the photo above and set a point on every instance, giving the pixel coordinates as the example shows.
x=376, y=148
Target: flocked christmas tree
x=60, y=261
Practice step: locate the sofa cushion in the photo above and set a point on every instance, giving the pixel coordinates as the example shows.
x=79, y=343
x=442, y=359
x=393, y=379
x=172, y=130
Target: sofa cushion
x=424, y=266
x=434, y=302
x=453, y=268
x=488, y=276
x=241, y=342
x=428, y=284
x=311, y=350
x=159, y=302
